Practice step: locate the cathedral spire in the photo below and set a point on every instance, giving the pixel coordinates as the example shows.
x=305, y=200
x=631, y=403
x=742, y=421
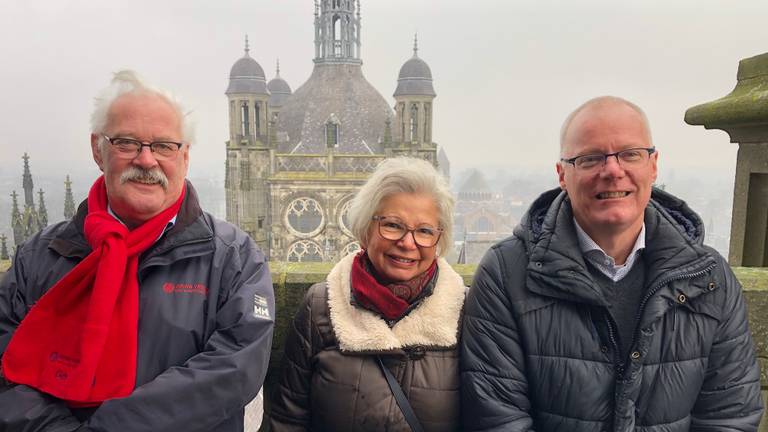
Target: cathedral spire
x=42, y=212
x=69, y=201
x=3, y=248
x=16, y=221
x=337, y=32
x=29, y=188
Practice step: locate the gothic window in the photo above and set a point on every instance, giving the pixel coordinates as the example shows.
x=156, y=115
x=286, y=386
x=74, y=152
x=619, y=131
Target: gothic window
x=344, y=218
x=257, y=115
x=227, y=181
x=304, y=216
x=427, y=122
x=244, y=126
x=332, y=133
x=305, y=251
x=483, y=225
x=245, y=175
x=350, y=248
x=336, y=36
x=261, y=222
x=414, y=122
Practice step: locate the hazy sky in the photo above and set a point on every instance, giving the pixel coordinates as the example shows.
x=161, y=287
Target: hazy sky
x=506, y=72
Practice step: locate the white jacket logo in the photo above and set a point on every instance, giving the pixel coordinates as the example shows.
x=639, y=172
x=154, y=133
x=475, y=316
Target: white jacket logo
x=260, y=307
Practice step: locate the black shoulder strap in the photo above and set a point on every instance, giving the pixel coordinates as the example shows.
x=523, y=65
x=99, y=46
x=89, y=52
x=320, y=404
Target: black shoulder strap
x=402, y=401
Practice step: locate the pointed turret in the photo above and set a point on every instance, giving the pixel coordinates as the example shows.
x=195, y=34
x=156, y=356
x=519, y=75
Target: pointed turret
x=42, y=212
x=414, y=95
x=29, y=188
x=16, y=220
x=4, y=248
x=69, y=201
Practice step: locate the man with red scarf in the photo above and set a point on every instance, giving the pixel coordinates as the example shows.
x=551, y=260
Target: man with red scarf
x=142, y=313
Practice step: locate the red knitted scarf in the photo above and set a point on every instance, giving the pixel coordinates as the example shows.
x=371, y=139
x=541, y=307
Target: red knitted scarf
x=78, y=342
x=391, y=300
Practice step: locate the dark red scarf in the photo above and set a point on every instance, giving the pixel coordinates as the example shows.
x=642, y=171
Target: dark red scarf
x=78, y=342
x=383, y=297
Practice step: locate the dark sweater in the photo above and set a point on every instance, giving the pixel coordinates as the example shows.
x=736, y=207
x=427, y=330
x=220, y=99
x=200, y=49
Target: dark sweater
x=624, y=297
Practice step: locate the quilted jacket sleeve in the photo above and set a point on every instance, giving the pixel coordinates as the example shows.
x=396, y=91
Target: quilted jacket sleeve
x=23, y=408
x=291, y=409
x=493, y=380
x=729, y=399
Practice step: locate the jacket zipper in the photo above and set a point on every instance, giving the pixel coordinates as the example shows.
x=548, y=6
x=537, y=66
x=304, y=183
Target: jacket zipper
x=616, y=351
x=657, y=287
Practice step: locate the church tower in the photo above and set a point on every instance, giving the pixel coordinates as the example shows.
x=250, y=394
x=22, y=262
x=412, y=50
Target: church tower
x=414, y=98
x=3, y=248
x=16, y=221
x=337, y=31
x=42, y=212
x=69, y=200
x=26, y=180
x=248, y=148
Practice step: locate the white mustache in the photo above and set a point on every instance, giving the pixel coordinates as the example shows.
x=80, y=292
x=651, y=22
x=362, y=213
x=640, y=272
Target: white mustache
x=148, y=176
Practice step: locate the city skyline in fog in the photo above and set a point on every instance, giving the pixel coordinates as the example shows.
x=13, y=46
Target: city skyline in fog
x=506, y=73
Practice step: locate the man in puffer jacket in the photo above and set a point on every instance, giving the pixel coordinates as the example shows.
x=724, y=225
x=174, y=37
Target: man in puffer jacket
x=604, y=311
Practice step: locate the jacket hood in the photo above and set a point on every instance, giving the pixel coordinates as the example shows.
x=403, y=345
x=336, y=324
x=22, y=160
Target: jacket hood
x=540, y=216
x=674, y=237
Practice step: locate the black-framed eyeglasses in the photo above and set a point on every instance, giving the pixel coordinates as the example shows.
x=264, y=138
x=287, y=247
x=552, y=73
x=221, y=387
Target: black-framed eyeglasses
x=392, y=228
x=629, y=158
x=129, y=148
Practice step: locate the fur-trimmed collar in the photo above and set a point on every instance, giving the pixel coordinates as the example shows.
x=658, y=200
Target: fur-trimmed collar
x=434, y=323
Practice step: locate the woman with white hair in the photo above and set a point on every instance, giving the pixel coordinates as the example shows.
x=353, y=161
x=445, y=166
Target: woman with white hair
x=374, y=347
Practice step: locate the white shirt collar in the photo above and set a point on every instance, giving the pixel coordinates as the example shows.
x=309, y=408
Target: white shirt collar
x=601, y=260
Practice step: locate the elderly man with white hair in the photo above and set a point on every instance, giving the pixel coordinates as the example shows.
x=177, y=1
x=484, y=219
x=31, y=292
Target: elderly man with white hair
x=142, y=313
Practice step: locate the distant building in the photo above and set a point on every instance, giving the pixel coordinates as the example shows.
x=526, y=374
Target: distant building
x=30, y=220
x=295, y=159
x=33, y=218
x=482, y=218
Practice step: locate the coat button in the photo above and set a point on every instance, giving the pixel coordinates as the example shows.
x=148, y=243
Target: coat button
x=711, y=286
x=603, y=349
x=681, y=298
x=635, y=355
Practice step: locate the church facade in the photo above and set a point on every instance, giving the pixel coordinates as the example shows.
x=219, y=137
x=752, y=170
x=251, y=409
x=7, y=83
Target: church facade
x=294, y=160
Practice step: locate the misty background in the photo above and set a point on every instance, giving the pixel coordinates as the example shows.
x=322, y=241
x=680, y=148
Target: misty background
x=506, y=73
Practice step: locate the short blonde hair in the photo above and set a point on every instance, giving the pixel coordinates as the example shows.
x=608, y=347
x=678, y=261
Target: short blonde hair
x=402, y=175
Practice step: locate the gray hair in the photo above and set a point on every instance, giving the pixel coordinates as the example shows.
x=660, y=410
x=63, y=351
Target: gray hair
x=128, y=82
x=598, y=101
x=402, y=175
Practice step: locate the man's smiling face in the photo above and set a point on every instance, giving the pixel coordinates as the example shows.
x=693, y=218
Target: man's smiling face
x=612, y=198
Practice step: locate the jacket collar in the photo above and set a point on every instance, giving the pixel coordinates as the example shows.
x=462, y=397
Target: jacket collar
x=189, y=226
x=674, y=235
x=434, y=323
